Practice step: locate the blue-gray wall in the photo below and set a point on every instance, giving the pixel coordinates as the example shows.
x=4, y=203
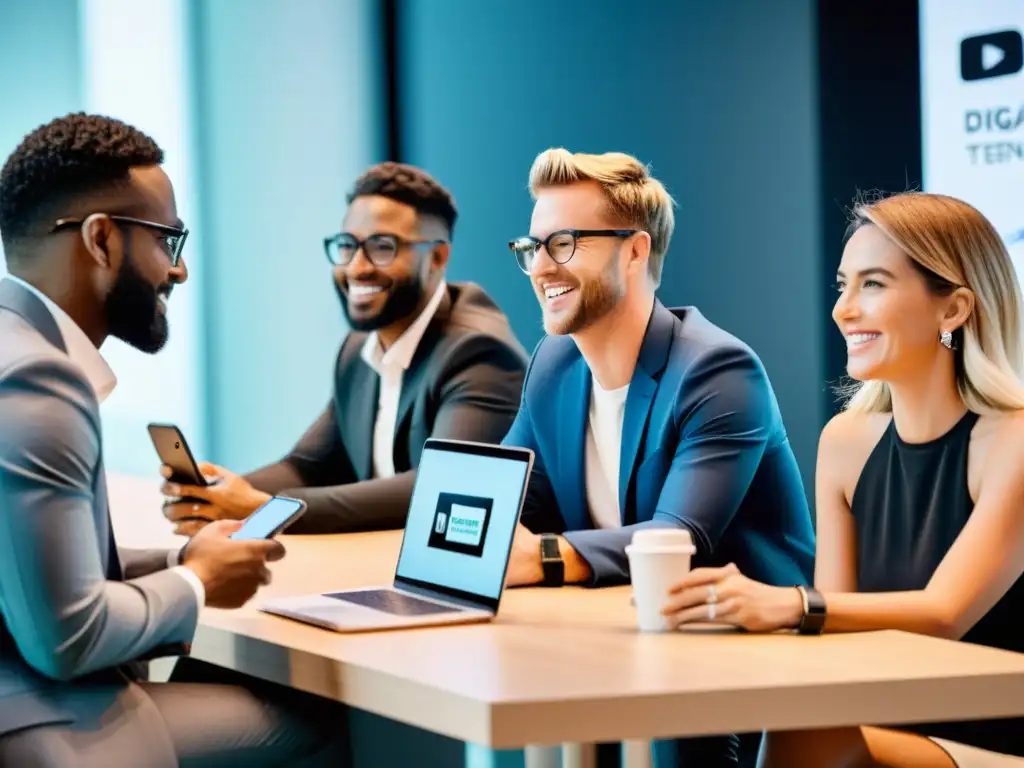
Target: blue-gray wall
x=287, y=118
x=39, y=67
x=718, y=95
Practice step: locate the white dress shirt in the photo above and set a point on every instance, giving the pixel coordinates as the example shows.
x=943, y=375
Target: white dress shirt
x=603, y=449
x=390, y=366
x=84, y=354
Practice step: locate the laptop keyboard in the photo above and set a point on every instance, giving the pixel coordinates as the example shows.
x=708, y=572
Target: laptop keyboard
x=392, y=602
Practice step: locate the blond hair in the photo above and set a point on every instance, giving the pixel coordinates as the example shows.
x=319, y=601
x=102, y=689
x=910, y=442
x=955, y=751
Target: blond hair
x=633, y=194
x=953, y=245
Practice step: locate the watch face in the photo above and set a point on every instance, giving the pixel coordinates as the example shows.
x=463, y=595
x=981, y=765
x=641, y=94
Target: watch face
x=549, y=548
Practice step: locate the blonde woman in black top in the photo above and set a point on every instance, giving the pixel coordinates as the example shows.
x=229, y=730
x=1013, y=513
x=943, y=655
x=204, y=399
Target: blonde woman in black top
x=920, y=480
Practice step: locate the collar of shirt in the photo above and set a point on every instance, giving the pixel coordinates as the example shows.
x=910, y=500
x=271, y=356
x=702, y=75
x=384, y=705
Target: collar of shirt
x=81, y=350
x=399, y=355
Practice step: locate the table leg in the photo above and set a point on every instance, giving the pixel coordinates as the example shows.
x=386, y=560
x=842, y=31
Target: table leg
x=579, y=756
x=637, y=754
x=542, y=757
x=565, y=756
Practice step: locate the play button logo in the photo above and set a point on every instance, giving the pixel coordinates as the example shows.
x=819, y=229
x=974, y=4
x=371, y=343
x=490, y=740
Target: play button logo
x=993, y=55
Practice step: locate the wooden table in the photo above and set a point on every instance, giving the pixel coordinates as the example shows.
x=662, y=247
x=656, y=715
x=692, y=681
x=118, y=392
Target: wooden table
x=567, y=665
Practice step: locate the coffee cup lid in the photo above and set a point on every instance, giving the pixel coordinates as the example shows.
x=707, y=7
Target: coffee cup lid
x=668, y=549
x=655, y=538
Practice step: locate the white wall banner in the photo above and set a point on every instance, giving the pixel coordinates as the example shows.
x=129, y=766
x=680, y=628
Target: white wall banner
x=972, y=91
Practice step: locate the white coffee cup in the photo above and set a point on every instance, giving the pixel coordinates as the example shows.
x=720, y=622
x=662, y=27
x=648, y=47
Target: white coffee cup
x=659, y=558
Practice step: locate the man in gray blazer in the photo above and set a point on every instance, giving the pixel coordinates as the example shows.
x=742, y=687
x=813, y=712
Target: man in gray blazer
x=93, y=245
x=425, y=358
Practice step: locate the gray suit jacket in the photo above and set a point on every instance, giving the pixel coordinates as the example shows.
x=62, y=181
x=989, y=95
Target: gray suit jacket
x=74, y=611
x=463, y=383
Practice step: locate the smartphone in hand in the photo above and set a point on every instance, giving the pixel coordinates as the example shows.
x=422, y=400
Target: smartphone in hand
x=173, y=450
x=271, y=519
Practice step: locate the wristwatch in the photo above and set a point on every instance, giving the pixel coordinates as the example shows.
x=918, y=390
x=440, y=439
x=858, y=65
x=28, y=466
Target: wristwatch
x=551, y=561
x=813, y=620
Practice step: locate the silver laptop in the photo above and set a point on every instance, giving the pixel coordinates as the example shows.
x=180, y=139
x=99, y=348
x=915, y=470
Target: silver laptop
x=451, y=569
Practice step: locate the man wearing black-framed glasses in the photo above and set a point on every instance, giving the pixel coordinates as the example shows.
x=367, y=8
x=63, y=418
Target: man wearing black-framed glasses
x=425, y=358
x=641, y=416
x=94, y=247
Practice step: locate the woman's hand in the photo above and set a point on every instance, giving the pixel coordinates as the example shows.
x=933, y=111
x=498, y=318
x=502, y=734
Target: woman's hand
x=726, y=596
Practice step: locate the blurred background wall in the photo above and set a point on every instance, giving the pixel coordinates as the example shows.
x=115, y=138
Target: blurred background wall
x=720, y=98
x=290, y=114
x=45, y=33
x=763, y=119
x=274, y=108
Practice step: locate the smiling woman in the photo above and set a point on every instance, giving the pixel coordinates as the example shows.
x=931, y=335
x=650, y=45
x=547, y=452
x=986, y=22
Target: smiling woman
x=919, y=483
x=954, y=283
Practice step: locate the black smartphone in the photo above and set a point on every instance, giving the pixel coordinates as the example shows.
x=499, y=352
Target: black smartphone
x=271, y=519
x=173, y=451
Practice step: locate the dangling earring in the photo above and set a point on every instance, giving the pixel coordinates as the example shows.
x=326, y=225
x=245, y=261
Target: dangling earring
x=946, y=339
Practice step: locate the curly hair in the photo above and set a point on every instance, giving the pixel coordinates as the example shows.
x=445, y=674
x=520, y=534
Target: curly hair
x=67, y=157
x=410, y=185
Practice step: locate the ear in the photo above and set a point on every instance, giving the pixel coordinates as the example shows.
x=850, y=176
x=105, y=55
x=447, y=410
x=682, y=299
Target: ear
x=959, y=307
x=102, y=240
x=439, y=256
x=639, y=252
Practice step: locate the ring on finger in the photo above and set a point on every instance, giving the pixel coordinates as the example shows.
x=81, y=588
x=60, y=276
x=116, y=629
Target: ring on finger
x=712, y=594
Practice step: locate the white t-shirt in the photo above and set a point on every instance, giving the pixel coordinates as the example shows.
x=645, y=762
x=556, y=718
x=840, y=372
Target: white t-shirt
x=603, y=447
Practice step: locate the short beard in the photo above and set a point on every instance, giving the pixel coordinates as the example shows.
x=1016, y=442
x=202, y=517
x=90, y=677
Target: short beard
x=402, y=301
x=598, y=297
x=133, y=312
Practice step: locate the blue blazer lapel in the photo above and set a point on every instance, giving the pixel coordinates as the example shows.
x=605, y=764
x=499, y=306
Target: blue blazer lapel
x=634, y=424
x=650, y=363
x=571, y=433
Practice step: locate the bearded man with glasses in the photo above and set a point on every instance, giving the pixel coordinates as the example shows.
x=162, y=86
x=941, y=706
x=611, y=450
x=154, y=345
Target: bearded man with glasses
x=641, y=416
x=94, y=247
x=425, y=358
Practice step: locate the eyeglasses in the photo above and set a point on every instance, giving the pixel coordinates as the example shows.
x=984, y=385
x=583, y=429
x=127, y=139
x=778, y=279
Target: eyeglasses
x=560, y=245
x=172, y=239
x=379, y=248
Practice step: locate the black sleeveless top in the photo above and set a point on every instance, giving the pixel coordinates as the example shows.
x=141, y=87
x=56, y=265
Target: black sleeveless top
x=910, y=504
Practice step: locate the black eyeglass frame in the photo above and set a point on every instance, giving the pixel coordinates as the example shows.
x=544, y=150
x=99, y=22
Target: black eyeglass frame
x=178, y=232
x=360, y=245
x=576, y=235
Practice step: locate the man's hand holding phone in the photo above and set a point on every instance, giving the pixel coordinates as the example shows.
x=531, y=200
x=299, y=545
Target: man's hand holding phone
x=231, y=570
x=187, y=526
x=229, y=496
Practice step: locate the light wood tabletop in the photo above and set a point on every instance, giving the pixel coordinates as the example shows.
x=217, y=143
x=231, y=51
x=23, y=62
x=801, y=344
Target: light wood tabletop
x=567, y=665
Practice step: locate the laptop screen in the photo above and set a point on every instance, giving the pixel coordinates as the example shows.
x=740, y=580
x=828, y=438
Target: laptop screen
x=462, y=517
